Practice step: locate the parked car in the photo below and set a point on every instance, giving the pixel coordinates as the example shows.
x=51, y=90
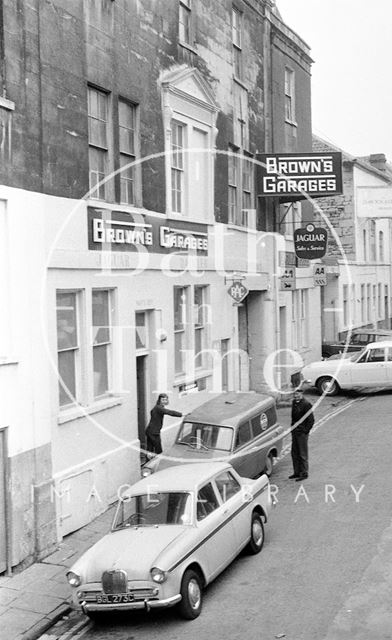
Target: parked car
x=170, y=539
x=358, y=339
x=239, y=427
x=369, y=368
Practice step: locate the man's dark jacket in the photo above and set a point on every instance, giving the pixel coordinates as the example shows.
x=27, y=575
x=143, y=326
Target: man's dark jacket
x=157, y=414
x=298, y=411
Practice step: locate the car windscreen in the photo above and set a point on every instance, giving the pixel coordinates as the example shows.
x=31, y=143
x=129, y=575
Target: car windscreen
x=154, y=508
x=205, y=436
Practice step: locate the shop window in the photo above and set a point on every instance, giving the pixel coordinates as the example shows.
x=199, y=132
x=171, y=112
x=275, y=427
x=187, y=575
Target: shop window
x=68, y=350
x=102, y=339
x=180, y=326
x=200, y=321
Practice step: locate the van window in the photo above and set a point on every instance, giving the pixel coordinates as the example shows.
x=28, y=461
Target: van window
x=244, y=434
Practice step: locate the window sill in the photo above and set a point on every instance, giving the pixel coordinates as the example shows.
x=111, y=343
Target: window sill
x=7, y=104
x=291, y=123
x=188, y=46
x=185, y=218
x=238, y=227
x=78, y=411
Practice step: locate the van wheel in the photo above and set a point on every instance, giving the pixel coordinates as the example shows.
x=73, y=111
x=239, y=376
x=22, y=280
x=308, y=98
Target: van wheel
x=191, y=595
x=256, y=541
x=327, y=386
x=269, y=463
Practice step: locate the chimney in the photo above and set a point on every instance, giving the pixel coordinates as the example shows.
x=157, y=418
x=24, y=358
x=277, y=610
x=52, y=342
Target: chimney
x=378, y=160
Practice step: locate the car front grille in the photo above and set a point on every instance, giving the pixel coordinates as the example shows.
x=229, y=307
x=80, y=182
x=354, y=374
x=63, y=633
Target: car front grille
x=115, y=581
x=141, y=594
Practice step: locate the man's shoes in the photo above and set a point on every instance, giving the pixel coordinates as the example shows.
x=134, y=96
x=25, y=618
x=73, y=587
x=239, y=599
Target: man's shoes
x=303, y=477
x=294, y=475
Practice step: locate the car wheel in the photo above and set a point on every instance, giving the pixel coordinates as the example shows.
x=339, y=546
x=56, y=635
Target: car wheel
x=256, y=541
x=269, y=463
x=327, y=386
x=191, y=595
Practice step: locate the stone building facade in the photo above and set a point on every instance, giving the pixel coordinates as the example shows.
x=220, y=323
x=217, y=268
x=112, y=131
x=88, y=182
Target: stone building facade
x=128, y=205
x=358, y=262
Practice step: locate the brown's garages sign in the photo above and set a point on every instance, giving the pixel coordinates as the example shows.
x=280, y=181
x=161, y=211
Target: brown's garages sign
x=292, y=175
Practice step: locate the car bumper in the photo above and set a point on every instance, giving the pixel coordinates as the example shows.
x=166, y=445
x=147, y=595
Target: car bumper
x=146, y=604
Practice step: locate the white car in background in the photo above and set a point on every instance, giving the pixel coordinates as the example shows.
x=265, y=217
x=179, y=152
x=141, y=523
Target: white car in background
x=172, y=534
x=369, y=368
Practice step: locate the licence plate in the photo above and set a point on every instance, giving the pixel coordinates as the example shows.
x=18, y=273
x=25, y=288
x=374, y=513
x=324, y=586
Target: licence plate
x=114, y=598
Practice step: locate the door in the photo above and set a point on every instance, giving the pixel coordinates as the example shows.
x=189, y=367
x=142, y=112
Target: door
x=243, y=344
x=141, y=400
x=3, y=523
x=370, y=370
x=217, y=530
x=233, y=497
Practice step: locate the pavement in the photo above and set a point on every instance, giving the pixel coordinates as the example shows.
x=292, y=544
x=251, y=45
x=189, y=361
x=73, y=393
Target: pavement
x=34, y=600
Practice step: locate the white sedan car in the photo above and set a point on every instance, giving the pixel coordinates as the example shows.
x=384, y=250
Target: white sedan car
x=172, y=534
x=369, y=368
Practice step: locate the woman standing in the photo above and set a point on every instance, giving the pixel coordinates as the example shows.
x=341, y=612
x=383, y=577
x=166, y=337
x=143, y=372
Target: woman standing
x=153, y=431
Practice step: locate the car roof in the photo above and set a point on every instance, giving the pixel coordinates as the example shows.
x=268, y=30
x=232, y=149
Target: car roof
x=380, y=344
x=372, y=332
x=230, y=408
x=183, y=477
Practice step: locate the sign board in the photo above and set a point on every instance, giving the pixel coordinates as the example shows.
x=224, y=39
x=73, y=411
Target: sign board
x=237, y=291
x=319, y=275
x=310, y=242
x=289, y=259
x=110, y=230
x=374, y=202
x=293, y=175
x=287, y=279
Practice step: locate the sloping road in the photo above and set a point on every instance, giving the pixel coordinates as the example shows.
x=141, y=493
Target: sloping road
x=326, y=569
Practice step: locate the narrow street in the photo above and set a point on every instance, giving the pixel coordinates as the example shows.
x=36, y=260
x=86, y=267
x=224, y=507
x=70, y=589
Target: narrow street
x=328, y=543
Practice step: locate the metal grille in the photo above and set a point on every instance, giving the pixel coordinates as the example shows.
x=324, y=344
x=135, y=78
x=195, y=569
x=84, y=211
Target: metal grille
x=114, y=581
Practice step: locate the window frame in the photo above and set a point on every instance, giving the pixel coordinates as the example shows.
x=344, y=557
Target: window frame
x=289, y=95
x=236, y=38
x=185, y=31
x=128, y=155
x=76, y=349
x=99, y=149
x=107, y=344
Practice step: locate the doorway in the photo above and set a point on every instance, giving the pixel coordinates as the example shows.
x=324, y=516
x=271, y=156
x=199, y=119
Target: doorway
x=141, y=366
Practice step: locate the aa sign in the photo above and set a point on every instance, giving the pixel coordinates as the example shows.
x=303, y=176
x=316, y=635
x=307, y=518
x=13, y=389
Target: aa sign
x=319, y=275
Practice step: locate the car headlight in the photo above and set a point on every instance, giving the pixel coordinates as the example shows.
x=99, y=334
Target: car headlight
x=158, y=575
x=73, y=579
x=146, y=472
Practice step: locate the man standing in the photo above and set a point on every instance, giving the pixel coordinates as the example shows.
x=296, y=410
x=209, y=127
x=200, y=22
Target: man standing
x=153, y=431
x=302, y=420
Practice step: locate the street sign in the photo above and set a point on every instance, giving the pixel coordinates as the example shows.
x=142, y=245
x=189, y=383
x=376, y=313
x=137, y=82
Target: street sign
x=319, y=275
x=287, y=279
x=310, y=242
x=237, y=291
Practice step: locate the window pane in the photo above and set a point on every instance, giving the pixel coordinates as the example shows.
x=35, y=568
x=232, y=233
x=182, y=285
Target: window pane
x=141, y=337
x=179, y=308
x=100, y=362
x=127, y=180
x=66, y=321
x=178, y=352
x=66, y=373
x=101, y=324
x=127, y=125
